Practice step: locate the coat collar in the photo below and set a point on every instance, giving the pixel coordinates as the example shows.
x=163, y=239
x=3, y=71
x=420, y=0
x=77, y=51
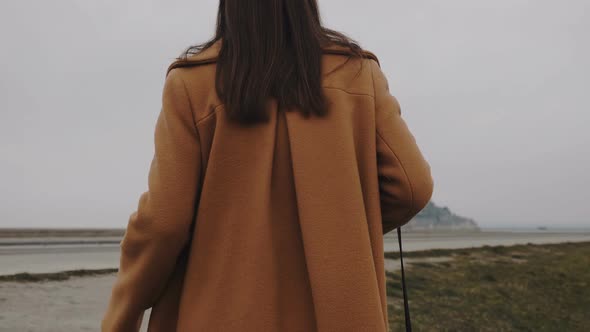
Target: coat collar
x=209, y=55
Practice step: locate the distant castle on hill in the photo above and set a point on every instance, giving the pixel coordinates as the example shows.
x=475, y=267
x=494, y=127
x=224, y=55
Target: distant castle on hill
x=433, y=217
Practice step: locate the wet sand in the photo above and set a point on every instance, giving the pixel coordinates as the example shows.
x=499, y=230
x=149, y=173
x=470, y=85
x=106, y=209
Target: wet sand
x=58, y=306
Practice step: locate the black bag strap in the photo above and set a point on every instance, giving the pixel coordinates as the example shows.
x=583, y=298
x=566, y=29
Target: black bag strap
x=406, y=305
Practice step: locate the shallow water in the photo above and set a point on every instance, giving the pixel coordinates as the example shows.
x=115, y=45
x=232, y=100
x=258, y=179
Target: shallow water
x=451, y=240
x=57, y=258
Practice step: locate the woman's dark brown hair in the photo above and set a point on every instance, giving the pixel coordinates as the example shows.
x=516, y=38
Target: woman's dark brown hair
x=271, y=49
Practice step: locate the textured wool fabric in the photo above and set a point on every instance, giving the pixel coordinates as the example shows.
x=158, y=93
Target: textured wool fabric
x=276, y=227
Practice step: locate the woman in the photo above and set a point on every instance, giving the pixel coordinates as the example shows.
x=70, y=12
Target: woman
x=280, y=161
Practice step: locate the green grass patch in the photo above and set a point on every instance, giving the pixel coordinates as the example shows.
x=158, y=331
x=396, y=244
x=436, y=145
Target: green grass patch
x=508, y=288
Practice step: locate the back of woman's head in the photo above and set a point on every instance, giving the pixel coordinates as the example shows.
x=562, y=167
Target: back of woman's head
x=271, y=49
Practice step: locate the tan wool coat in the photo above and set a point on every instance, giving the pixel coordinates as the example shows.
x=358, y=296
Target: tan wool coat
x=276, y=227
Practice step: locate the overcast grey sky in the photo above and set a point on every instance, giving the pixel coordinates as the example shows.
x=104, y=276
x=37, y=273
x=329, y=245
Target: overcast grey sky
x=496, y=93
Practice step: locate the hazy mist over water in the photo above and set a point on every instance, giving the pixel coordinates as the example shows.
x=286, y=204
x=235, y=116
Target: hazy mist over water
x=495, y=92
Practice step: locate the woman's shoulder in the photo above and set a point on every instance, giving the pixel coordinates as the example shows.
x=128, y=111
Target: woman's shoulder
x=205, y=56
x=337, y=49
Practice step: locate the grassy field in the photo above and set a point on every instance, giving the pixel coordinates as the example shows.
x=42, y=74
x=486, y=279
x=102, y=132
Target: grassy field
x=516, y=288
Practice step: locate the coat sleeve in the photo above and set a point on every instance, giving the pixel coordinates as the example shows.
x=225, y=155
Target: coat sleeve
x=405, y=181
x=159, y=230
